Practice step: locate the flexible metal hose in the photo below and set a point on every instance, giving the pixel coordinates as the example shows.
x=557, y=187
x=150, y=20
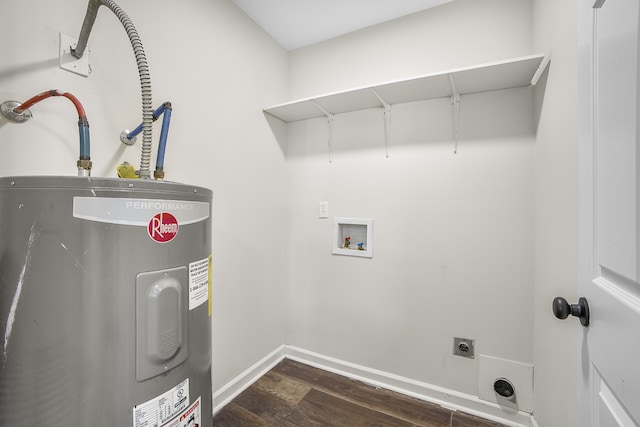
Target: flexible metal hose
x=143, y=70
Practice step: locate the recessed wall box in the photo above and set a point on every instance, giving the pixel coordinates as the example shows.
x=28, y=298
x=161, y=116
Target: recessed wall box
x=353, y=237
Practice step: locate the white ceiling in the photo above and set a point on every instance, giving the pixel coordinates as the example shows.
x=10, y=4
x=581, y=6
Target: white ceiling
x=299, y=23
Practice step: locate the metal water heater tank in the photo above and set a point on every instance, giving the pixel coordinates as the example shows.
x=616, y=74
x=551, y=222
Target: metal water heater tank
x=105, y=303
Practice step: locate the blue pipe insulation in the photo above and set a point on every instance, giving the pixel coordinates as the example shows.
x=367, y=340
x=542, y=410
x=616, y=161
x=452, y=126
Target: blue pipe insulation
x=165, y=109
x=155, y=116
x=164, y=132
x=84, y=140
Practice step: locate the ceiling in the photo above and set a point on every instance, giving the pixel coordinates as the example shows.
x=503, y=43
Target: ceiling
x=299, y=23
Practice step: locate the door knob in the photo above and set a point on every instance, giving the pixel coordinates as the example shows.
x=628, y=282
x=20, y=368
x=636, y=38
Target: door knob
x=562, y=309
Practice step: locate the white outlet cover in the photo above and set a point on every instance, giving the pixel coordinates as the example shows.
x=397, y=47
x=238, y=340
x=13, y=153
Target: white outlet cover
x=68, y=61
x=323, y=210
x=519, y=374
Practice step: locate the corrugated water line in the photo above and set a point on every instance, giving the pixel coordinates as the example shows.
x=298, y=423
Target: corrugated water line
x=143, y=70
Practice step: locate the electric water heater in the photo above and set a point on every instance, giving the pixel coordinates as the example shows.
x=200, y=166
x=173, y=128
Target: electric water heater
x=105, y=302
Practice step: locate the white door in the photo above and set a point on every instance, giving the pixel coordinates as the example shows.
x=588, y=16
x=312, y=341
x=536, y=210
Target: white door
x=609, y=269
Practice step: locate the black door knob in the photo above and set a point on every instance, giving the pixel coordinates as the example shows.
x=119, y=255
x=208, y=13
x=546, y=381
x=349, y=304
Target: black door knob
x=562, y=309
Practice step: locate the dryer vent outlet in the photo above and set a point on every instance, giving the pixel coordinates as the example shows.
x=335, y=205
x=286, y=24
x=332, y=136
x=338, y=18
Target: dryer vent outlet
x=505, y=389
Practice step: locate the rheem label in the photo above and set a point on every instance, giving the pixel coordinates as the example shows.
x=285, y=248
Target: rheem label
x=163, y=227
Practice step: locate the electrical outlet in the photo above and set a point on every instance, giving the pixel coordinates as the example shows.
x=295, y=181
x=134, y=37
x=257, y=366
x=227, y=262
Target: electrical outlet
x=323, y=210
x=464, y=347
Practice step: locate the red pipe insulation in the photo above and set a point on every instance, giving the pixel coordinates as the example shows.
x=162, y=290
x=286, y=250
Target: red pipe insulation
x=84, y=161
x=54, y=92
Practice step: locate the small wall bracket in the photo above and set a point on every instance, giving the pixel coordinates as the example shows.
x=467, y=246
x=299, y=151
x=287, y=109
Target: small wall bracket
x=455, y=112
x=330, y=121
x=68, y=61
x=387, y=121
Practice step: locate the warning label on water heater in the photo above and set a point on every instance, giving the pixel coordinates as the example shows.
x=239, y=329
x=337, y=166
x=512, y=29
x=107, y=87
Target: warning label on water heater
x=198, y=283
x=191, y=417
x=156, y=412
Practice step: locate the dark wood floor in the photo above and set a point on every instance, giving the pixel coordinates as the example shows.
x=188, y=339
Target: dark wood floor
x=294, y=394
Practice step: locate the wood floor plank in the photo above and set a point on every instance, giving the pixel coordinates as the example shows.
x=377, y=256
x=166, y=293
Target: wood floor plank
x=330, y=411
x=297, y=395
x=264, y=404
x=400, y=406
x=233, y=415
x=272, y=409
x=283, y=387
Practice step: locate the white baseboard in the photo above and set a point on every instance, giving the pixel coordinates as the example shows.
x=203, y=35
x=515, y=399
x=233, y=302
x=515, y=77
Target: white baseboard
x=449, y=399
x=533, y=421
x=233, y=388
x=446, y=398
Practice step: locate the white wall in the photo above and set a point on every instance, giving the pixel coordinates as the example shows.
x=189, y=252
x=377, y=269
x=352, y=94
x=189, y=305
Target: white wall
x=555, y=342
x=458, y=34
x=453, y=253
x=203, y=56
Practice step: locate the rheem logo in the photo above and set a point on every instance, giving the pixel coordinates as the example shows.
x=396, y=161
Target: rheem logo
x=163, y=227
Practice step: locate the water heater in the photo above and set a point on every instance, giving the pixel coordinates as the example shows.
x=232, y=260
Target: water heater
x=105, y=302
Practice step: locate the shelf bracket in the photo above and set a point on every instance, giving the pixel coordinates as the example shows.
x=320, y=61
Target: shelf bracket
x=543, y=65
x=455, y=112
x=330, y=122
x=387, y=121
